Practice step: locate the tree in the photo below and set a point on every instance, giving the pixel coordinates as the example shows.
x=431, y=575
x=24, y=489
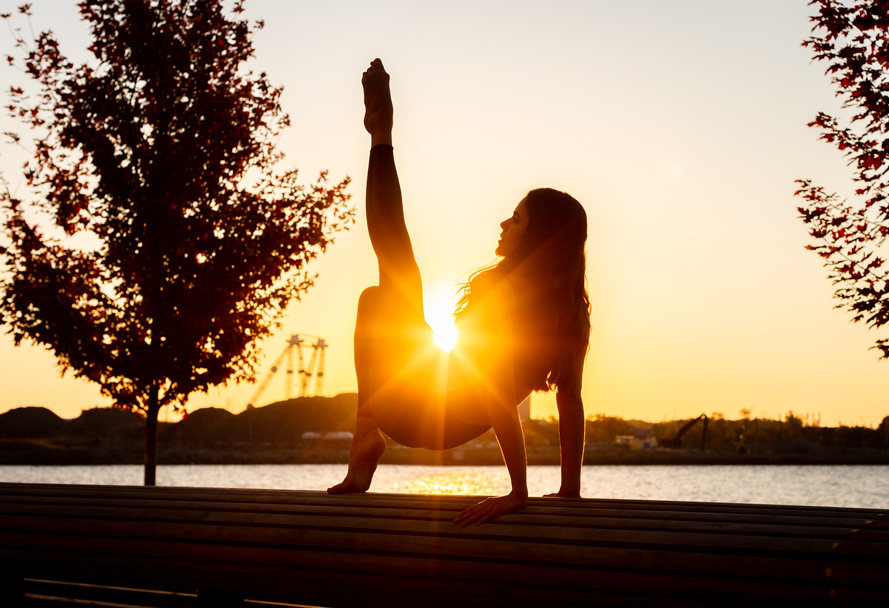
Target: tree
x=850, y=234
x=158, y=243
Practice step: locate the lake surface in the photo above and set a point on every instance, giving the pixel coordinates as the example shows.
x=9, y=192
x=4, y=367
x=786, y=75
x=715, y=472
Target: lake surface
x=827, y=485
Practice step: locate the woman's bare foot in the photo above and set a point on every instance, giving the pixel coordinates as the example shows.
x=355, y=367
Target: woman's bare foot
x=377, y=103
x=368, y=446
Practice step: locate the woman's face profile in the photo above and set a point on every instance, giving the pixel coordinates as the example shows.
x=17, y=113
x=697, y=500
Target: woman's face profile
x=512, y=229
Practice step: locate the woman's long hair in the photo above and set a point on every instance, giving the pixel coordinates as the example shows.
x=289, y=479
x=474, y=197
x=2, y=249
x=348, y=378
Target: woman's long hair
x=552, y=317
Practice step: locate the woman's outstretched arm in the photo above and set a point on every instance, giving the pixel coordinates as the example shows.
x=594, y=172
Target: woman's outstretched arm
x=494, y=357
x=571, y=431
x=508, y=428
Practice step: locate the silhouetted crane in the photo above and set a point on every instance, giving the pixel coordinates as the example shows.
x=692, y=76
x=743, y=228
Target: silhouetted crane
x=315, y=368
x=676, y=442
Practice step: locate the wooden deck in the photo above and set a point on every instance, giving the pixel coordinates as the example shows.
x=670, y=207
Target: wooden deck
x=136, y=546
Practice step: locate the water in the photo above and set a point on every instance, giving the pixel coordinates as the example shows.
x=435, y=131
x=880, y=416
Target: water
x=828, y=485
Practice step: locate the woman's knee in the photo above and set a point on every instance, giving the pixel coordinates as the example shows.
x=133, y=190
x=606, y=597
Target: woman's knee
x=388, y=326
x=370, y=304
x=381, y=305
x=376, y=315
x=369, y=296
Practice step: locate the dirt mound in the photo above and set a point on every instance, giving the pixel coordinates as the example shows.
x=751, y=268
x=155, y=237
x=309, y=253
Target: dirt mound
x=205, y=425
x=30, y=422
x=102, y=421
x=286, y=421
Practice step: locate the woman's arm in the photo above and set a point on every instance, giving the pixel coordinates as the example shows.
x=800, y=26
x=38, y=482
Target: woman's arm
x=512, y=444
x=571, y=430
x=494, y=357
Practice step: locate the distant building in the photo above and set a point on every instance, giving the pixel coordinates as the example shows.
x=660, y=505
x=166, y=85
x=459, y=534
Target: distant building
x=636, y=443
x=332, y=436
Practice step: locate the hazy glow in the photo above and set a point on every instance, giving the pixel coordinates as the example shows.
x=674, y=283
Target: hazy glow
x=445, y=336
x=439, y=311
x=680, y=126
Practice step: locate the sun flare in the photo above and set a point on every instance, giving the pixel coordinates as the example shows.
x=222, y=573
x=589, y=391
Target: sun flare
x=439, y=315
x=445, y=335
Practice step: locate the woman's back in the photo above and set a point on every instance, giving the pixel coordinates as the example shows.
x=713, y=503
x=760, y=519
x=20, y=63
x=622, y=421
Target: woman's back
x=482, y=362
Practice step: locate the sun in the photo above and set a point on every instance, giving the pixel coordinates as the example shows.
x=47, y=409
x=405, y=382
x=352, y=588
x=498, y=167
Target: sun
x=445, y=335
x=439, y=314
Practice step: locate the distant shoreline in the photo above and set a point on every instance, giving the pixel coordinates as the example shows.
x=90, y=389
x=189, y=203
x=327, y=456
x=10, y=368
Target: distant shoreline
x=315, y=430
x=24, y=452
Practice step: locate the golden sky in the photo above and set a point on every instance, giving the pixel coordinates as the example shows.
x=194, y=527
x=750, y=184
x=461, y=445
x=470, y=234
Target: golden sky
x=681, y=127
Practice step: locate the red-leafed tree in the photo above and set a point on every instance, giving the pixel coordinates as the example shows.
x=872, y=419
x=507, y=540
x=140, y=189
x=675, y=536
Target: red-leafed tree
x=155, y=243
x=852, y=38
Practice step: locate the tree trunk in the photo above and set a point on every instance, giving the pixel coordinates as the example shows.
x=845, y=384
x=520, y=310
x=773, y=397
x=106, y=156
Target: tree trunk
x=151, y=438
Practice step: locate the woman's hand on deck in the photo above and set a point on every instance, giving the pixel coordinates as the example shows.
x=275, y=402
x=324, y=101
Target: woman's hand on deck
x=490, y=508
x=377, y=103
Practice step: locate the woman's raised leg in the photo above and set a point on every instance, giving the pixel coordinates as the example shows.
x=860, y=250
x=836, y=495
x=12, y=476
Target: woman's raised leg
x=388, y=315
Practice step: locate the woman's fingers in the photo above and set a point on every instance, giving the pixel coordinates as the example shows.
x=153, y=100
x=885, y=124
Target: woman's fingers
x=471, y=514
x=489, y=509
x=474, y=514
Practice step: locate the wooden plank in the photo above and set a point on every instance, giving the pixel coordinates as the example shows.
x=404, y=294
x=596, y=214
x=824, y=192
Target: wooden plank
x=157, y=511
x=325, y=548
x=601, y=585
x=370, y=500
x=443, y=540
x=223, y=526
x=108, y=594
x=513, y=582
x=868, y=529
x=341, y=550
x=543, y=515
x=539, y=515
x=217, y=526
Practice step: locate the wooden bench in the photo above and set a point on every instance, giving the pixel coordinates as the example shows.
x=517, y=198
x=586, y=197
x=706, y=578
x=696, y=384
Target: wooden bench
x=166, y=546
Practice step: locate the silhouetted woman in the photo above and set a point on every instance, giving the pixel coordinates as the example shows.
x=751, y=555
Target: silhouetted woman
x=523, y=326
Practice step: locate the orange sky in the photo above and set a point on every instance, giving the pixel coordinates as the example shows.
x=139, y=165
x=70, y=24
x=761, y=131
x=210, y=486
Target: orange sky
x=679, y=125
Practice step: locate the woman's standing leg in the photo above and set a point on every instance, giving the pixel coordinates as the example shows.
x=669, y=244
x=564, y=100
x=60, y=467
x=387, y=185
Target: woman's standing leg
x=368, y=443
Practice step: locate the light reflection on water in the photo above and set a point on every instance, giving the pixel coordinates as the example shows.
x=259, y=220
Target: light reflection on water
x=828, y=485
x=463, y=481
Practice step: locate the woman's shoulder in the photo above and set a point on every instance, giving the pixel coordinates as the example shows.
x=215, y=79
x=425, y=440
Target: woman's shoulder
x=491, y=297
x=490, y=282
x=488, y=276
